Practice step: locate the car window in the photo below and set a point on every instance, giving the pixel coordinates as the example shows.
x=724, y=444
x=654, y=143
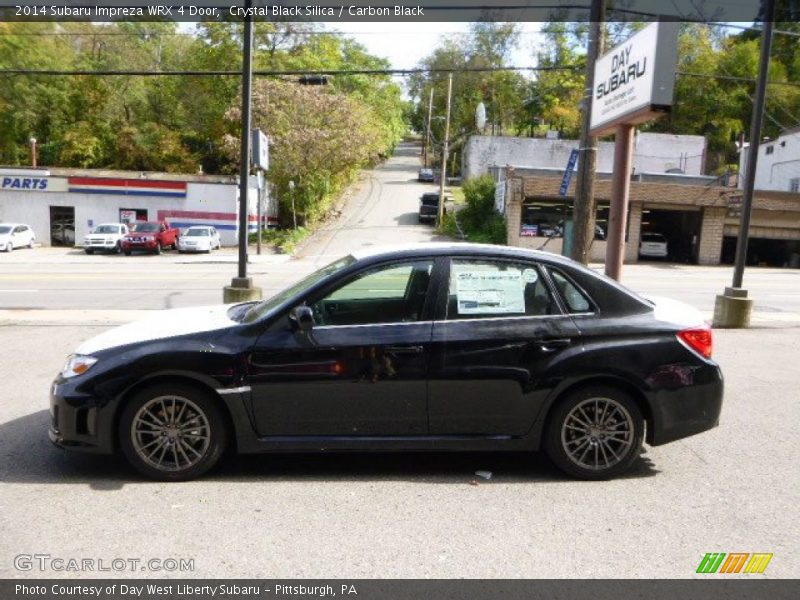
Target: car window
x=388, y=294
x=574, y=299
x=487, y=288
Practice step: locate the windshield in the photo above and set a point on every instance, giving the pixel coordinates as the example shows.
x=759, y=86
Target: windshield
x=262, y=308
x=5, y=229
x=147, y=227
x=197, y=232
x=107, y=229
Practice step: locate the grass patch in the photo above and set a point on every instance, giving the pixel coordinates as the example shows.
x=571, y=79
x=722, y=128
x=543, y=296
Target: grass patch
x=478, y=220
x=282, y=240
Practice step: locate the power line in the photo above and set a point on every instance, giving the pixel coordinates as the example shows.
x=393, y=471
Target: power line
x=735, y=78
x=291, y=72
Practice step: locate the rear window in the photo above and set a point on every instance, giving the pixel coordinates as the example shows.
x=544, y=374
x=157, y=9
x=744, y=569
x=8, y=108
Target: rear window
x=430, y=200
x=652, y=237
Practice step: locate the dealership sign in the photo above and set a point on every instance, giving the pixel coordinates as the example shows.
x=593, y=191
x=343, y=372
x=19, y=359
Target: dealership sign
x=634, y=82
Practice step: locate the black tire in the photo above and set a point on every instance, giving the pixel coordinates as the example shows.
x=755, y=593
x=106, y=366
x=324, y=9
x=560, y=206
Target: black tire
x=198, y=400
x=158, y=249
x=127, y=252
x=88, y=250
x=117, y=248
x=622, y=439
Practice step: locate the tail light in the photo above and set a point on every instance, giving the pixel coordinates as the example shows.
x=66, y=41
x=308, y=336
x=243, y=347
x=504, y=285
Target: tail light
x=698, y=339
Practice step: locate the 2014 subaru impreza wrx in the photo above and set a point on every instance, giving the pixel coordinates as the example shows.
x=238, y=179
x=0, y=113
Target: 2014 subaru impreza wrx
x=432, y=347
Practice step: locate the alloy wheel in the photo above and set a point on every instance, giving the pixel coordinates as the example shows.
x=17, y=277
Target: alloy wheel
x=597, y=434
x=170, y=433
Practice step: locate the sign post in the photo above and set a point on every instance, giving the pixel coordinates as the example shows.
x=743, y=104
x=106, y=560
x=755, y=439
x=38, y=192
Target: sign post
x=633, y=84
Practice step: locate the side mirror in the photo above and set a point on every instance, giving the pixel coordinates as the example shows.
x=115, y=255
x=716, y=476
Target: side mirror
x=301, y=318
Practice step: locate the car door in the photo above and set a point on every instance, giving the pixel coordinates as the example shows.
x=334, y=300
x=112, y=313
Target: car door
x=17, y=237
x=498, y=330
x=360, y=370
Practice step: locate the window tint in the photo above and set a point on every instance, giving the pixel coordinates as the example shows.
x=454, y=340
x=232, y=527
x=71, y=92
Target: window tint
x=389, y=294
x=574, y=299
x=487, y=288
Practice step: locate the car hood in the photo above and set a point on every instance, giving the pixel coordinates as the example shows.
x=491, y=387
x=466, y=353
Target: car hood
x=163, y=324
x=675, y=311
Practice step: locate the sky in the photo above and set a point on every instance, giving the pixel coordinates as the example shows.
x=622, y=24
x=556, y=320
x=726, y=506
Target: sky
x=405, y=44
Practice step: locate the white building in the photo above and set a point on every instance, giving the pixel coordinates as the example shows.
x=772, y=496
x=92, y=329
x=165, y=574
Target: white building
x=652, y=153
x=778, y=166
x=63, y=205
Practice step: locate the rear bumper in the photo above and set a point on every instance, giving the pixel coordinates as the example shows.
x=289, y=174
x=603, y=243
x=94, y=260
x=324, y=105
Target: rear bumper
x=684, y=411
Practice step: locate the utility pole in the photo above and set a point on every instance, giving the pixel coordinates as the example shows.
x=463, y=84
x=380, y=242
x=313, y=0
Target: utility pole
x=733, y=307
x=428, y=130
x=443, y=175
x=585, y=206
x=241, y=288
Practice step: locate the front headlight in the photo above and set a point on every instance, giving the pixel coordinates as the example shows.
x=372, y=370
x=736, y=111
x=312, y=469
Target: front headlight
x=77, y=364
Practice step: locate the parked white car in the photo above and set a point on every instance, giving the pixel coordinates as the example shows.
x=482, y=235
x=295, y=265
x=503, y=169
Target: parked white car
x=653, y=245
x=199, y=238
x=15, y=235
x=106, y=237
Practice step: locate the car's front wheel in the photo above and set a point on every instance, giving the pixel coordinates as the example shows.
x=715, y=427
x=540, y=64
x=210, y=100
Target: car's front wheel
x=595, y=432
x=172, y=432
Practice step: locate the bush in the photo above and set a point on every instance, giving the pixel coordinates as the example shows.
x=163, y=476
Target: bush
x=478, y=220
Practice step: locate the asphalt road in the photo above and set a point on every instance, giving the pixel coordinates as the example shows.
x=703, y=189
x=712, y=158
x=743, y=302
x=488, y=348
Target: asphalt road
x=733, y=489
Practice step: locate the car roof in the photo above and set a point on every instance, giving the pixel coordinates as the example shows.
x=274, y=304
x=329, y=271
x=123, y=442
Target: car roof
x=13, y=224
x=462, y=248
x=199, y=227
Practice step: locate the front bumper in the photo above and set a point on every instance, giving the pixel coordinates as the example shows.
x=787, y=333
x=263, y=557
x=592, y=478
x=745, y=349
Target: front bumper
x=128, y=245
x=204, y=248
x=80, y=422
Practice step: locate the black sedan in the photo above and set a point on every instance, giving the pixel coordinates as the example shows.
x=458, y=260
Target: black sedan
x=434, y=347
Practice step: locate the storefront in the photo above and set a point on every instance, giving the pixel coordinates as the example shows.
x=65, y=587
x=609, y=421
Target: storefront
x=699, y=223
x=63, y=205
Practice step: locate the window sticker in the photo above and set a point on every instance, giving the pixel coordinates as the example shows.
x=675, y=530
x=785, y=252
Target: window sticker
x=482, y=290
x=530, y=275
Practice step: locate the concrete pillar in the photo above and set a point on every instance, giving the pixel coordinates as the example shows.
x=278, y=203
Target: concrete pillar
x=711, y=232
x=634, y=233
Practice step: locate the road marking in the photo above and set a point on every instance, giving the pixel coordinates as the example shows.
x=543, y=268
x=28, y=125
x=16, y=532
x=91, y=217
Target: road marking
x=19, y=291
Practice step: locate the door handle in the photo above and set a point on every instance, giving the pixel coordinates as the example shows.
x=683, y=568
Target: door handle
x=554, y=344
x=404, y=349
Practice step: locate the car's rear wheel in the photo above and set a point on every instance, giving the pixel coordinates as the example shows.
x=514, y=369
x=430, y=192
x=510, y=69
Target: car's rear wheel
x=595, y=432
x=88, y=250
x=127, y=252
x=172, y=432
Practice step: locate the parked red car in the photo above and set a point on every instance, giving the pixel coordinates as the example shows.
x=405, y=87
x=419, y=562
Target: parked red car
x=150, y=236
